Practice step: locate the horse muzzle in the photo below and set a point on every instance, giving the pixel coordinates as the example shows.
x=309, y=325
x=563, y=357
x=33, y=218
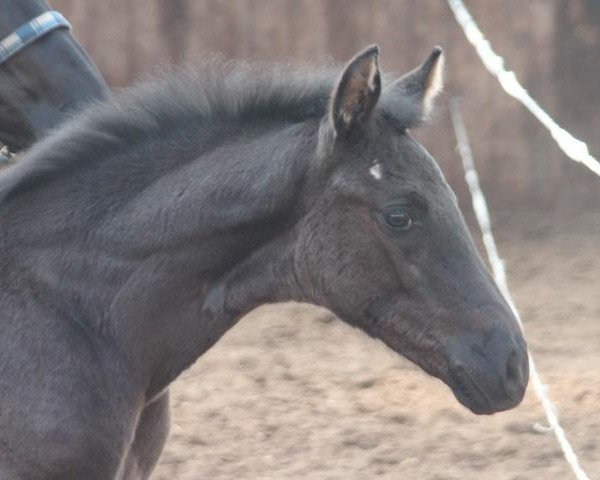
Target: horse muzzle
x=488, y=373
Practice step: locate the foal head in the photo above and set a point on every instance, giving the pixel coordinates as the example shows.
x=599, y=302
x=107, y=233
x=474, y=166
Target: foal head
x=384, y=246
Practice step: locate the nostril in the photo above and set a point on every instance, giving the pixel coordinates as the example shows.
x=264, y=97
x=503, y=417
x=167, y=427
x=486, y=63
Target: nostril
x=512, y=367
x=516, y=375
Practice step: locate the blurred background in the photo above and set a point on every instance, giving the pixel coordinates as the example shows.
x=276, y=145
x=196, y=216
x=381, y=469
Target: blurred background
x=293, y=393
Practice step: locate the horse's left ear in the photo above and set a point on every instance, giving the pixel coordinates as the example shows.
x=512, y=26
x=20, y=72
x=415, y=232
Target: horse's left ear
x=356, y=92
x=421, y=86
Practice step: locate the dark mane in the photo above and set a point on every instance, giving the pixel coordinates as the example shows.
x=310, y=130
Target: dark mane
x=216, y=92
x=188, y=101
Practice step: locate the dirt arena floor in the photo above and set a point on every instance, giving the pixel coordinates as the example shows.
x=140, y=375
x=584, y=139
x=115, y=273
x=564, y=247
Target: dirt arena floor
x=292, y=393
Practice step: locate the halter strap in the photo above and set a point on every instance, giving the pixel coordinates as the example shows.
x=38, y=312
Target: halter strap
x=30, y=32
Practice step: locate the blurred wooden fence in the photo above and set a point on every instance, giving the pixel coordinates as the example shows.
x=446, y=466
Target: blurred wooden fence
x=553, y=45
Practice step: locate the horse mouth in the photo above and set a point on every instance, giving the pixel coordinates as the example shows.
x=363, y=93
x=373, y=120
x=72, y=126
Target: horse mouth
x=470, y=394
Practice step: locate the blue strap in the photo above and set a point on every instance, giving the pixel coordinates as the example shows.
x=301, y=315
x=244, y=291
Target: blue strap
x=30, y=32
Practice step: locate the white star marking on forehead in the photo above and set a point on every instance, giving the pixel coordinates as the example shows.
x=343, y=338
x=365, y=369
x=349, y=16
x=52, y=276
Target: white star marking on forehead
x=376, y=172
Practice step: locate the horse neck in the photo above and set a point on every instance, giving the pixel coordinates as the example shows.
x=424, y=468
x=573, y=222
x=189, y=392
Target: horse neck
x=236, y=255
x=173, y=260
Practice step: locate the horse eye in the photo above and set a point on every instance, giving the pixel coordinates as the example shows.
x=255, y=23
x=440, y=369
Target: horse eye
x=398, y=218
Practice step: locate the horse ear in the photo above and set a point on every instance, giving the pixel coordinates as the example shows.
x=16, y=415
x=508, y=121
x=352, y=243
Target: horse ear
x=422, y=85
x=356, y=92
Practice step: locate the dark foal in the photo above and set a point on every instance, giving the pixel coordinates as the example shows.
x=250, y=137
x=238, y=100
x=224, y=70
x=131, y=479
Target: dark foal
x=45, y=81
x=133, y=238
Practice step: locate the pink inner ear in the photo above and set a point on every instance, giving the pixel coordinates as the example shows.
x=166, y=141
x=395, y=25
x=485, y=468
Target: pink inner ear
x=357, y=91
x=434, y=84
x=409, y=100
x=356, y=95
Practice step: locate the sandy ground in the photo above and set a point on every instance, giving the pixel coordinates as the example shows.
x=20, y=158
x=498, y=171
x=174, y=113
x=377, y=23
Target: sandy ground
x=292, y=393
